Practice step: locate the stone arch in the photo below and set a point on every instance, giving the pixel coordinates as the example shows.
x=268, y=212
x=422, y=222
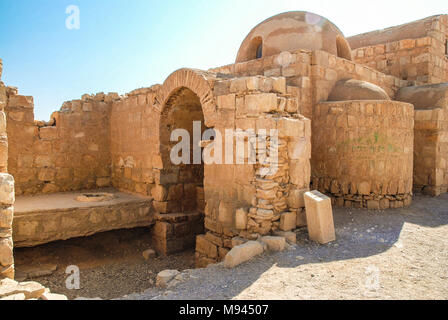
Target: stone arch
x=186, y=96
x=199, y=82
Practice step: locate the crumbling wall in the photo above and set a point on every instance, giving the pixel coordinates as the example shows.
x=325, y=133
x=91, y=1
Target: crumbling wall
x=363, y=153
x=242, y=199
x=7, y=196
x=70, y=152
x=418, y=53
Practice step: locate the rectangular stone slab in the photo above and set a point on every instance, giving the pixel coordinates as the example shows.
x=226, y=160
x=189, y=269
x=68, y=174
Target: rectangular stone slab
x=319, y=216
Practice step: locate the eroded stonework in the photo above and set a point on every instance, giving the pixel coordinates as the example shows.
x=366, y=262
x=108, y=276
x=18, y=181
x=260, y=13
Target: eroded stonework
x=349, y=120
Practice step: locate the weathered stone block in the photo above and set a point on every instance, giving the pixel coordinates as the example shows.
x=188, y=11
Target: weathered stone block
x=206, y=247
x=225, y=213
x=6, y=216
x=227, y=102
x=295, y=198
x=262, y=102
x=6, y=255
x=301, y=219
x=241, y=219
x=7, y=196
x=288, y=221
x=274, y=243
x=319, y=216
x=164, y=277
x=290, y=237
x=48, y=133
x=242, y=253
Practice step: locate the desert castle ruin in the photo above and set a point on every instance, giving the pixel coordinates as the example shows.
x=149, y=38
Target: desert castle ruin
x=362, y=119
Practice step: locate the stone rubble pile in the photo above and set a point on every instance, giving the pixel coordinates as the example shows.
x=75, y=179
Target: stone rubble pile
x=13, y=290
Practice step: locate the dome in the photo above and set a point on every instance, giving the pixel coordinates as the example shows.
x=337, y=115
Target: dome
x=293, y=31
x=345, y=90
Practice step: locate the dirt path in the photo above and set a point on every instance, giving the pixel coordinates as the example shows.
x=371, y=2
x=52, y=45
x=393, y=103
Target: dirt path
x=394, y=254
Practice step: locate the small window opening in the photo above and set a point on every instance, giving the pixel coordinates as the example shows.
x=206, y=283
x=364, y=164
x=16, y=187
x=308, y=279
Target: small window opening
x=259, y=51
x=255, y=49
x=446, y=47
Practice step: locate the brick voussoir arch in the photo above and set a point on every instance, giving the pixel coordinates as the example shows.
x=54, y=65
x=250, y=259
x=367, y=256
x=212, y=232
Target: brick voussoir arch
x=198, y=81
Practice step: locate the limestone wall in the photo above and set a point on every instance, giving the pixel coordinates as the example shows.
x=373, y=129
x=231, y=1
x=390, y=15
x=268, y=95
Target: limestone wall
x=311, y=75
x=431, y=136
x=431, y=151
x=363, y=153
x=70, y=152
x=7, y=199
x=243, y=200
x=421, y=57
x=326, y=70
x=134, y=142
x=7, y=196
x=141, y=124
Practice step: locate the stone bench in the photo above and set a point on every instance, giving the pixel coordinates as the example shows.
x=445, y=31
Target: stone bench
x=45, y=218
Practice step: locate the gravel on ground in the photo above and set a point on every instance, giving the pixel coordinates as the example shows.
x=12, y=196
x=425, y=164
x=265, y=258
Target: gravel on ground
x=392, y=254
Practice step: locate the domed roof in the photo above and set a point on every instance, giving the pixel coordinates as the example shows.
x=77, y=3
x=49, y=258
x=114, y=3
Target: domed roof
x=293, y=31
x=350, y=89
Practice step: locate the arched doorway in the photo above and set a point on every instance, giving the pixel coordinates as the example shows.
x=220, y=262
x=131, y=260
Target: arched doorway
x=185, y=101
x=182, y=118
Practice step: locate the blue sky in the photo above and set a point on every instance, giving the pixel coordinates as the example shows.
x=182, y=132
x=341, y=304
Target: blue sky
x=127, y=44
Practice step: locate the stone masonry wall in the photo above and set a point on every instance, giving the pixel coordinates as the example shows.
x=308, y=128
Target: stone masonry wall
x=7, y=199
x=310, y=76
x=431, y=149
x=423, y=60
x=242, y=200
x=134, y=142
x=139, y=162
x=7, y=196
x=363, y=153
x=70, y=152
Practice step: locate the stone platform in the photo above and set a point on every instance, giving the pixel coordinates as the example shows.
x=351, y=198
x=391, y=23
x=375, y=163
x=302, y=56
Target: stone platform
x=46, y=218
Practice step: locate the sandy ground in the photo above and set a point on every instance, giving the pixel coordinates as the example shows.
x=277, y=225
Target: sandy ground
x=393, y=254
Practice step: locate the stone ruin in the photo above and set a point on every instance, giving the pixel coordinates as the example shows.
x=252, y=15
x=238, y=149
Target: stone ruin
x=363, y=120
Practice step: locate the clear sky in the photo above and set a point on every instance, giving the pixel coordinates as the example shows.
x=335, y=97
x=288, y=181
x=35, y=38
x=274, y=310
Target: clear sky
x=122, y=45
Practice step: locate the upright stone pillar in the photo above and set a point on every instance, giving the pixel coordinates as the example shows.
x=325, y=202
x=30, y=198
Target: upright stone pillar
x=7, y=196
x=6, y=215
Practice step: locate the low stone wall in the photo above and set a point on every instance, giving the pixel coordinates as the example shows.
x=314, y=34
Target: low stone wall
x=69, y=152
x=42, y=225
x=363, y=153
